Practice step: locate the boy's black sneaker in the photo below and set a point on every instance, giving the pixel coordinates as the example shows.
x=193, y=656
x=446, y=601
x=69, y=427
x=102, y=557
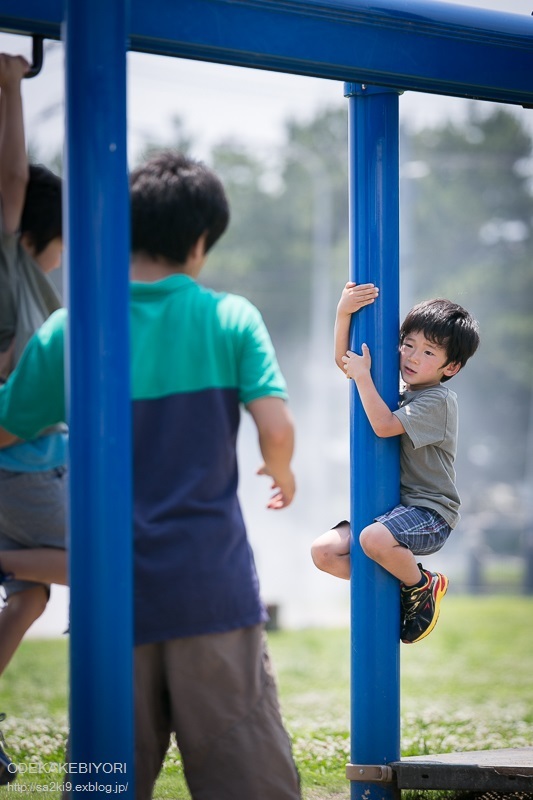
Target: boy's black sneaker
x=420, y=606
x=8, y=771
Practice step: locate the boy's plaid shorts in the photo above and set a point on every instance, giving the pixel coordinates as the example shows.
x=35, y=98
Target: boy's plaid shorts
x=422, y=530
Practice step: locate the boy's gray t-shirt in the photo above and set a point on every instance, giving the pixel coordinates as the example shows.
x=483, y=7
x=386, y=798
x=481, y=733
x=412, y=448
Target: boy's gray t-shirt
x=428, y=449
x=27, y=298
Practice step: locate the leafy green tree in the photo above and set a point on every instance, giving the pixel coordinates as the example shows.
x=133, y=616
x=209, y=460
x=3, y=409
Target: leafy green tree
x=466, y=221
x=268, y=250
x=466, y=233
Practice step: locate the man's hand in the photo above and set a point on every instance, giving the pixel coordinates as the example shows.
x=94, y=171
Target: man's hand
x=354, y=297
x=276, y=442
x=14, y=172
x=356, y=366
x=12, y=70
x=283, y=487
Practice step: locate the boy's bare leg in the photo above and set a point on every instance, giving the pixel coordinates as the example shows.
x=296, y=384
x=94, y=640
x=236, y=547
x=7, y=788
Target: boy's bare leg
x=41, y=564
x=379, y=544
x=21, y=611
x=331, y=551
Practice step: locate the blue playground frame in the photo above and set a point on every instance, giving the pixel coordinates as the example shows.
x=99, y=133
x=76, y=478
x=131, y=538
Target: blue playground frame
x=377, y=48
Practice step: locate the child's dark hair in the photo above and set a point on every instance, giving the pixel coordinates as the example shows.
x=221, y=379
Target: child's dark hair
x=445, y=324
x=41, y=216
x=174, y=200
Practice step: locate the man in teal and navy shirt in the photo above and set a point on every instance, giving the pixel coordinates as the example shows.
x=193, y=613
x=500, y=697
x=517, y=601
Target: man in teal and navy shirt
x=201, y=667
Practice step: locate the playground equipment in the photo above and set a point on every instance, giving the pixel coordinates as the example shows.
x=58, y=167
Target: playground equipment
x=377, y=50
x=37, y=57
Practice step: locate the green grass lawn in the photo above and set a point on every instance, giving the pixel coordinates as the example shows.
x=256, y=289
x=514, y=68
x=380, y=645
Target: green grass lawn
x=468, y=686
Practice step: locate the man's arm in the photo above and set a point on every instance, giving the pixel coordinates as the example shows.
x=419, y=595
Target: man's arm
x=353, y=298
x=14, y=172
x=7, y=439
x=276, y=441
x=384, y=423
x=33, y=398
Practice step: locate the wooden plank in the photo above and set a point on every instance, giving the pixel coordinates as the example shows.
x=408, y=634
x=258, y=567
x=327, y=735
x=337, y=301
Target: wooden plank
x=507, y=770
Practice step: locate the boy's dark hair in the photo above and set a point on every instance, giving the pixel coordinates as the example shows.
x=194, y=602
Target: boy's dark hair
x=446, y=324
x=41, y=216
x=174, y=200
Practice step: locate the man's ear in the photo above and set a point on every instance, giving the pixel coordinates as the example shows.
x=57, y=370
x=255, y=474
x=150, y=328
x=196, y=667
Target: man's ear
x=196, y=257
x=451, y=369
x=197, y=251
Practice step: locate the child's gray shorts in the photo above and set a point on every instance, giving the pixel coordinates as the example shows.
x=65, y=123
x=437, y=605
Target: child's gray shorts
x=422, y=530
x=32, y=513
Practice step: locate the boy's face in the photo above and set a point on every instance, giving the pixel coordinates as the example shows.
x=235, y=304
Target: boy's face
x=423, y=363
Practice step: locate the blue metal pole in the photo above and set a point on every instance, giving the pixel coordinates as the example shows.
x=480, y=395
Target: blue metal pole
x=374, y=257
x=97, y=248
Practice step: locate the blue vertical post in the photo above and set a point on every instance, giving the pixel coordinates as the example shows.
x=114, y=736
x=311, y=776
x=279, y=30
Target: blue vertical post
x=97, y=247
x=375, y=610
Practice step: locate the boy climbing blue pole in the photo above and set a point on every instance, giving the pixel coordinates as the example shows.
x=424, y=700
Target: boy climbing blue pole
x=394, y=517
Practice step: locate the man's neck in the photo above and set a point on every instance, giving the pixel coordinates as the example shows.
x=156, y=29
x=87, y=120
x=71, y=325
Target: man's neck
x=148, y=270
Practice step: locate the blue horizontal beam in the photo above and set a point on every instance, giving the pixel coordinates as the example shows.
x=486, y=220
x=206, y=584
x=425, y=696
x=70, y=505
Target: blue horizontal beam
x=421, y=46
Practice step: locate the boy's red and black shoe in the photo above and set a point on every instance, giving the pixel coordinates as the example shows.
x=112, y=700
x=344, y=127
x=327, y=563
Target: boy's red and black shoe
x=420, y=606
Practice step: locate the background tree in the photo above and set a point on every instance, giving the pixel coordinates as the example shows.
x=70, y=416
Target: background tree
x=466, y=224
x=268, y=250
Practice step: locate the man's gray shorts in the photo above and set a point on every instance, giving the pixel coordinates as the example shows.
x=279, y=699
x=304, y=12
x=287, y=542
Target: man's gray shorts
x=32, y=513
x=217, y=694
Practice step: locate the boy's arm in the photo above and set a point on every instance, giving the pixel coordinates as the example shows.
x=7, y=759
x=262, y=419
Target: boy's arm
x=353, y=298
x=13, y=159
x=276, y=441
x=384, y=423
x=7, y=439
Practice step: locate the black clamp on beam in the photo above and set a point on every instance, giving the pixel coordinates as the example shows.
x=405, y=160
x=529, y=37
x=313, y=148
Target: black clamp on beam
x=37, y=57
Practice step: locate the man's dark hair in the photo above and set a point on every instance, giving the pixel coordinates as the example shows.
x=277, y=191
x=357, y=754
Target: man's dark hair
x=445, y=324
x=41, y=216
x=174, y=200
